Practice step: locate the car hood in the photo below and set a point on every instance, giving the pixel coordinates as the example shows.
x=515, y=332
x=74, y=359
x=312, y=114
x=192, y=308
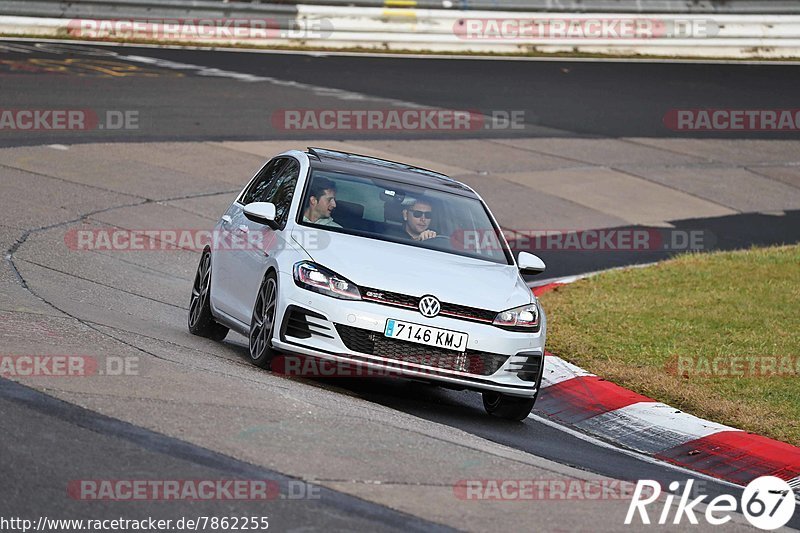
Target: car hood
x=419, y=271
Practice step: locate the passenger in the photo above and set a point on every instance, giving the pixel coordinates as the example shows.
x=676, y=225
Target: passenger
x=417, y=220
x=321, y=203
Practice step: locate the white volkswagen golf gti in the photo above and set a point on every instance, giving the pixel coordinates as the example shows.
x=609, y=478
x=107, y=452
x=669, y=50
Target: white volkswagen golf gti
x=375, y=264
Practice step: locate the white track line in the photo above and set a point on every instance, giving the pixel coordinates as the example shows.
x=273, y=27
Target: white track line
x=323, y=53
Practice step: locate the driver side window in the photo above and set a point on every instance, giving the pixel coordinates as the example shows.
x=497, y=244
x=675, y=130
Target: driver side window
x=281, y=191
x=258, y=191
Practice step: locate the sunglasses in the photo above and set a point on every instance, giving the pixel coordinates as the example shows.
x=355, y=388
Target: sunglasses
x=420, y=214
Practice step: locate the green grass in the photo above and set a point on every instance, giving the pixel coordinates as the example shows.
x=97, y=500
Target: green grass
x=630, y=325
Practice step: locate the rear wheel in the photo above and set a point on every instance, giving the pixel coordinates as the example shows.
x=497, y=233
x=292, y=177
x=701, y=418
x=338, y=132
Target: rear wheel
x=508, y=407
x=262, y=322
x=201, y=321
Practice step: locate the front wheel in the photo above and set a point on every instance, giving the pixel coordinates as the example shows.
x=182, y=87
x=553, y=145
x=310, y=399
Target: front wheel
x=262, y=322
x=201, y=321
x=508, y=407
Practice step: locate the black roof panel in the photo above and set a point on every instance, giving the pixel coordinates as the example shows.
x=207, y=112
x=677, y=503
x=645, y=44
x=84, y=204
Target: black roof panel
x=383, y=168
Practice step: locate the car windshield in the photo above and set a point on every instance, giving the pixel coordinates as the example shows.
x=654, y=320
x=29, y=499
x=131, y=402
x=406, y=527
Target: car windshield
x=403, y=213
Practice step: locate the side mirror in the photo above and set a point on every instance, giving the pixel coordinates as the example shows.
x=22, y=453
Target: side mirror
x=530, y=264
x=261, y=212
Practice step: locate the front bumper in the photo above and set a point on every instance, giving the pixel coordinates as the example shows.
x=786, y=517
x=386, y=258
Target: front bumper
x=351, y=332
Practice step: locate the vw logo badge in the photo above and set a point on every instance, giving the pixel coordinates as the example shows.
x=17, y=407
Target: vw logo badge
x=429, y=306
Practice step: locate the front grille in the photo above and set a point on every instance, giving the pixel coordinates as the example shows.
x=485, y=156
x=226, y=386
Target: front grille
x=395, y=299
x=375, y=343
x=389, y=298
x=469, y=313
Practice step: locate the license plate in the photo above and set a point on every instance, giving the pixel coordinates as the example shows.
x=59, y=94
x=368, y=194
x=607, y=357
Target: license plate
x=439, y=338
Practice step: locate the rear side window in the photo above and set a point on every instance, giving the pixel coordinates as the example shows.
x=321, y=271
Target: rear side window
x=261, y=185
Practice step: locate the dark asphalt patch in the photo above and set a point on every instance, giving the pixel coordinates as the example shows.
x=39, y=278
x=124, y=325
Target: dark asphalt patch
x=47, y=443
x=731, y=232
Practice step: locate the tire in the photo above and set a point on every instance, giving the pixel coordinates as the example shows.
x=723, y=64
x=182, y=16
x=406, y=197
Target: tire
x=512, y=407
x=201, y=321
x=262, y=322
x=507, y=407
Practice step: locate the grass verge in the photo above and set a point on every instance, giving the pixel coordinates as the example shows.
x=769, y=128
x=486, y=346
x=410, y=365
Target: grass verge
x=661, y=330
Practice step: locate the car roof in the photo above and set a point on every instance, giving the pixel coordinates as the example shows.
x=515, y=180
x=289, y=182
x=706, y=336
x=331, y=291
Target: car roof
x=335, y=160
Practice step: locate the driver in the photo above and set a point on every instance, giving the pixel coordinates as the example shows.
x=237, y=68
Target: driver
x=417, y=220
x=321, y=203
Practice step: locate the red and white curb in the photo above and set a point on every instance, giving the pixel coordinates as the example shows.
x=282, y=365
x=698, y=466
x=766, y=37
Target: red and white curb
x=591, y=405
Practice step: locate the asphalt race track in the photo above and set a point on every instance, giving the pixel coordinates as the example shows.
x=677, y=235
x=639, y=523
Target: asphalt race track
x=194, y=102
x=592, y=152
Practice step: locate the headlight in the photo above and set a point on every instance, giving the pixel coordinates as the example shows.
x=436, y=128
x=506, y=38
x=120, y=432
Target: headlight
x=522, y=318
x=319, y=279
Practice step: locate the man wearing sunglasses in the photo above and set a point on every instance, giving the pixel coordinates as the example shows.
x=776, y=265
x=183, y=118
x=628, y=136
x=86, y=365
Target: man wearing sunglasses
x=417, y=216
